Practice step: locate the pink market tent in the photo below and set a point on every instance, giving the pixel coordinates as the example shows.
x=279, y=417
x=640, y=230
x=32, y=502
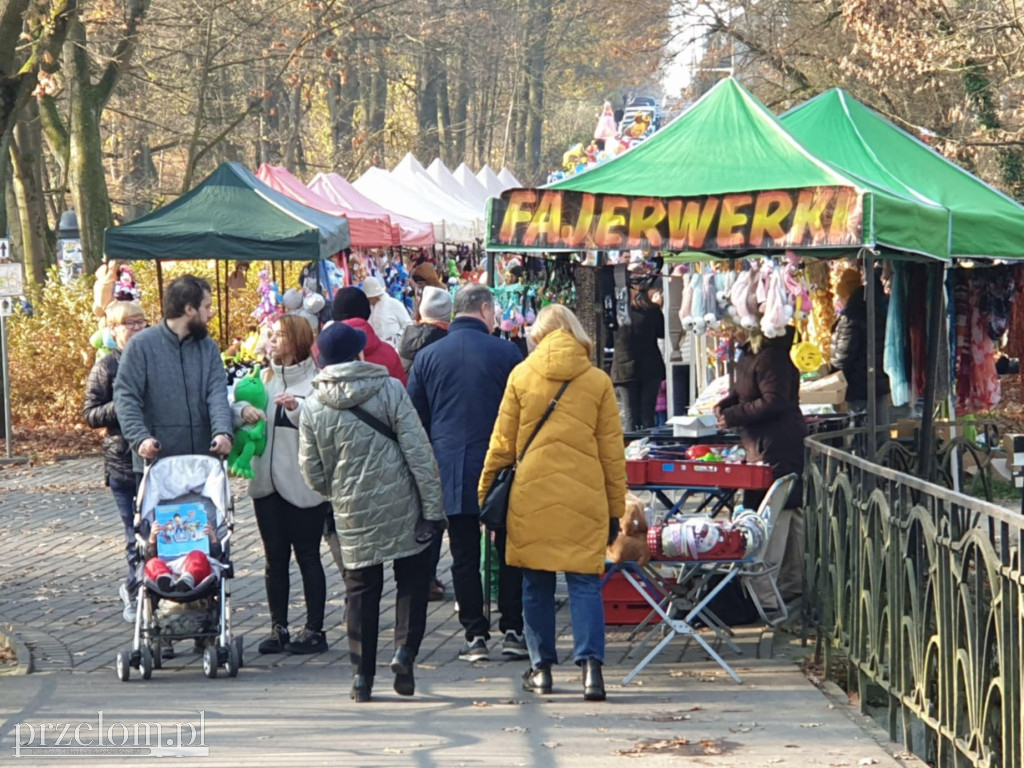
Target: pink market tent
x=410, y=232
x=465, y=177
x=440, y=175
x=366, y=230
x=423, y=204
x=508, y=180
x=490, y=182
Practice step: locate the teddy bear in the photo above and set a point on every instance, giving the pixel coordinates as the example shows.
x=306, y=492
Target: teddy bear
x=250, y=439
x=631, y=543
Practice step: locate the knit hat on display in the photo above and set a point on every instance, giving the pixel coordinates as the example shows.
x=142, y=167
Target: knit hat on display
x=436, y=305
x=849, y=281
x=350, y=302
x=292, y=299
x=373, y=287
x=339, y=343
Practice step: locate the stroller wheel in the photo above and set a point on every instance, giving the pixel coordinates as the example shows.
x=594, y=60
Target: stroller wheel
x=210, y=662
x=237, y=643
x=157, y=651
x=123, y=664
x=234, y=662
x=146, y=662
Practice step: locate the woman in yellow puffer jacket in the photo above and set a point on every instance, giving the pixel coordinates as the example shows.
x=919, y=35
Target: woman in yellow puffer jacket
x=571, y=481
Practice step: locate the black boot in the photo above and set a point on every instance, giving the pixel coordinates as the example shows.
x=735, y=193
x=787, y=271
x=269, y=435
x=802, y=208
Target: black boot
x=537, y=680
x=402, y=666
x=361, y=687
x=593, y=681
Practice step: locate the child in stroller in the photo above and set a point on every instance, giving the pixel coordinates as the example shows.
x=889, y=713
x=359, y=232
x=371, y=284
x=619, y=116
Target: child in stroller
x=183, y=521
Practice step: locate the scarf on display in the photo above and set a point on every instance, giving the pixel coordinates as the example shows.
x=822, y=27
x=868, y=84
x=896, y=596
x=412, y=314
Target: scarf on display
x=895, y=357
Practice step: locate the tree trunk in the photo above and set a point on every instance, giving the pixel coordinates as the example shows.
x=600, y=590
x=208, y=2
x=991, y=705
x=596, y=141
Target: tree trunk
x=26, y=163
x=536, y=65
x=379, y=103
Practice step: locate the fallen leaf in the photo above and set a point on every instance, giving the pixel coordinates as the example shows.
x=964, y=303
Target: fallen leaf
x=516, y=729
x=867, y=761
x=481, y=704
x=811, y=725
x=550, y=744
x=393, y=751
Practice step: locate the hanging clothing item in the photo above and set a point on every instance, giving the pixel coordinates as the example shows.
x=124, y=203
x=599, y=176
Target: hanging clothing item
x=977, y=383
x=1015, y=337
x=896, y=339
x=917, y=322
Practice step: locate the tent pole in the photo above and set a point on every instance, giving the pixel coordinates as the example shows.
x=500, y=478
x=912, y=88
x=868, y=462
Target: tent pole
x=160, y=284
x=227, y=302
x=220, y=303
x=926, y=449
x=871, y=297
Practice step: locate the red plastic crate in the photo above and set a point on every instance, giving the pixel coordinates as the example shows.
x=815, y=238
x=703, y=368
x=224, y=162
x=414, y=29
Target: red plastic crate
x=715, y=474
x=636, y=472
x=622, y=604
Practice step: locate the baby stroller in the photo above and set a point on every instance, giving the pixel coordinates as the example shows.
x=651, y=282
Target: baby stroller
x=184, y=494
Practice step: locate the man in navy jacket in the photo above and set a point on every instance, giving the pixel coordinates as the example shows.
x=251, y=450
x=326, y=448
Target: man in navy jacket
x=457, y=385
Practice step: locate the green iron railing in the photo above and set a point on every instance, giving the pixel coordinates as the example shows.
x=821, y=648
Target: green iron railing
x=917, y=600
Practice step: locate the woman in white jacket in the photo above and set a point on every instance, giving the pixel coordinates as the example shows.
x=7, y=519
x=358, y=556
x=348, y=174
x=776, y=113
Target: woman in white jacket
x=290, y=516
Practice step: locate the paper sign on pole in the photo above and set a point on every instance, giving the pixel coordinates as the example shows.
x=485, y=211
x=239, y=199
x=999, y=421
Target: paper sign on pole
x=11, y=283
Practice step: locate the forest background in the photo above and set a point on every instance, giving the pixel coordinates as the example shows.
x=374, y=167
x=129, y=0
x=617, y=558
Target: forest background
x=115, y=107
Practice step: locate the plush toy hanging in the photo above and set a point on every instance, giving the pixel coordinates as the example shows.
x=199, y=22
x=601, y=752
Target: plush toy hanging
x=250, y=439
x=269, y=308
x=776, y=310
x=125, y=288
x=806, y=355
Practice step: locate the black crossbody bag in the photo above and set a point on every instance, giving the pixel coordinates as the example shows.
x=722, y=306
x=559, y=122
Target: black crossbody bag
x=494, y=511
x=424, y=528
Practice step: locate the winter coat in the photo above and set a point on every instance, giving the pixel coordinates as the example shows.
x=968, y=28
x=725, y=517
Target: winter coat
x=389, y=317
x=637, y=355
x=379, y=488
x=849, y=348
x=98, y=412
x=377, y=352
x=573, y=477
x=173, y=390
x=417, y=337
x=277, y=469
x=456, y=385
x=764, y=406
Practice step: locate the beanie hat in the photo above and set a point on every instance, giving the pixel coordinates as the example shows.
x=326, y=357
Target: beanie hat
x=436, y=305
x=339, y=343
x=350, y=302
x=373, y=287
x=849, y=281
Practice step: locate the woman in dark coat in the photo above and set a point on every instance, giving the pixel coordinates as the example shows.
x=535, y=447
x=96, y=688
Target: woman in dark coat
x=638, y=366
x=124, y=319
x=849, y=348
x=764, y=407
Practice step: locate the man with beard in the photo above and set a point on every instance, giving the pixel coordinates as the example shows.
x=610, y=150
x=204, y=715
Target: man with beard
x=171, y=394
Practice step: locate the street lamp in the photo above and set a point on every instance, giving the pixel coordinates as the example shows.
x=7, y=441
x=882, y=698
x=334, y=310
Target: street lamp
x=69, y=248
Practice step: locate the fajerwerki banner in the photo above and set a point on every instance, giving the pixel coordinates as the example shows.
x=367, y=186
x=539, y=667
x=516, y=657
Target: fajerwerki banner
x=551, y=220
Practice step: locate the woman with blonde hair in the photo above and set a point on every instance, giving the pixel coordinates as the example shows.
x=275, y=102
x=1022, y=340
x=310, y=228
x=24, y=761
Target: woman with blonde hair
x=289, y=515
x=124, y=319
x=570, y=481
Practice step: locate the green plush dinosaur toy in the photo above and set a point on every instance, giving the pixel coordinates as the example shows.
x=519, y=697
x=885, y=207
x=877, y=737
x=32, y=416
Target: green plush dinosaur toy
x=250, y=439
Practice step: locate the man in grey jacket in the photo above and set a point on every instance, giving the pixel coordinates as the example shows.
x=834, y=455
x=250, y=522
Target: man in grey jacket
x=171, y=394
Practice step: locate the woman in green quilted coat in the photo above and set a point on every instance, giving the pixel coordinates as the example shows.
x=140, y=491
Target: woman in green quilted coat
x=362, y=446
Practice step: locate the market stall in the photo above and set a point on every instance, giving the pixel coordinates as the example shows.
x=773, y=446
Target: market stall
x=419, y=202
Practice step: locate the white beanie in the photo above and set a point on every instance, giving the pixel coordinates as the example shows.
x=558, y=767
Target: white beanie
x=373, y=287
x=436, y=305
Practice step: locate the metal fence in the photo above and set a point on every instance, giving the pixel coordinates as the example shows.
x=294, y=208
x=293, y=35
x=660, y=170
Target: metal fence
x=917, y=601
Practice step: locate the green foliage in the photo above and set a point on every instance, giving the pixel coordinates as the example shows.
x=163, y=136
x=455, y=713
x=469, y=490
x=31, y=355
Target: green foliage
x=50, y=354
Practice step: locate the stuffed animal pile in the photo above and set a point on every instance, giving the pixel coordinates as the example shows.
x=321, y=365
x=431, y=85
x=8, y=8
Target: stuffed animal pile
x=631, y=543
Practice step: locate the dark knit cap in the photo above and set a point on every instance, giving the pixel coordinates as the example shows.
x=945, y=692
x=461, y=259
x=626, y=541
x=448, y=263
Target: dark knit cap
x=350, y=302
x=339, y=343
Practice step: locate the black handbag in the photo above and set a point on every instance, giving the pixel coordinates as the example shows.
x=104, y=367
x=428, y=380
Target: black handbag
x=425, y=529
x=494, y=510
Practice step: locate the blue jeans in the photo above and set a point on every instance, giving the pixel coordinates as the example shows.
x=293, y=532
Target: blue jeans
x=124, y=496
x=585, y=606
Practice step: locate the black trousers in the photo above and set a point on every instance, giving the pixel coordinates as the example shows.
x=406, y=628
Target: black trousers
x=637, y=404
x=464, y=539
x=284, y=528
x=364, y=587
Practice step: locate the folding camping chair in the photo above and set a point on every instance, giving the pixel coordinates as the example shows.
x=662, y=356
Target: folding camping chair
x=679, y=591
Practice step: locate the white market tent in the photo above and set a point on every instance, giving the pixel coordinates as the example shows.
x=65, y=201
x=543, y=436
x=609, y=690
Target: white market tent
x=507, y=179
x=464, y=176
x=417, y=201
x=411, y=174
x=440, y=175
x=490, y=182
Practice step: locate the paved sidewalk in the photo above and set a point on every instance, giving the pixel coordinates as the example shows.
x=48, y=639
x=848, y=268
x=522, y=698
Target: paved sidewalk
x=60, y=557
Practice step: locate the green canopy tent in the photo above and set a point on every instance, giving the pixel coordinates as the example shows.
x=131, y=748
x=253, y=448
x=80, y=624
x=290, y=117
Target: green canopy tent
x=230, y=216
x=985, y=222
x=723, y=178
x=234, y=216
